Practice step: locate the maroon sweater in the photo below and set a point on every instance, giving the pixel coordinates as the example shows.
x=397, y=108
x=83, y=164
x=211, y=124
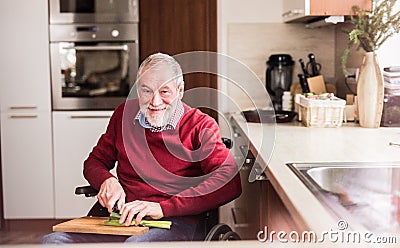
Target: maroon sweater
x=187, y=170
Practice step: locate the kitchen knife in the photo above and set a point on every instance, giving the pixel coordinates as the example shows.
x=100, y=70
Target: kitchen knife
x=303, y=67
x=303, y=83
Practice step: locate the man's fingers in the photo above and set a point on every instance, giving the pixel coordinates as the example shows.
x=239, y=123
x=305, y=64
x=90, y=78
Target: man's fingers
x=141, y=215
x=101, y=201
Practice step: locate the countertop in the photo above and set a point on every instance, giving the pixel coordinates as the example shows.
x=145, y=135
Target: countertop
x=279, y=144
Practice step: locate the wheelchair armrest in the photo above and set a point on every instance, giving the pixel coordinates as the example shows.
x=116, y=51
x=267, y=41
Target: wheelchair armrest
x=88, y=191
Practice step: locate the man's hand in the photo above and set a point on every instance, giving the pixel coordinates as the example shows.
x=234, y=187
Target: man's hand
x=111, y=192
x=140, y=209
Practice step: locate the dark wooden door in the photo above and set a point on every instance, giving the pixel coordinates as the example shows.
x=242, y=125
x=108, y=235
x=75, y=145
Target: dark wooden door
x=178, y=26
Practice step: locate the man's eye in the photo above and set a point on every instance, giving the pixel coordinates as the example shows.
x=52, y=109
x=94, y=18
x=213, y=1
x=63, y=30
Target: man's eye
x=146, y=91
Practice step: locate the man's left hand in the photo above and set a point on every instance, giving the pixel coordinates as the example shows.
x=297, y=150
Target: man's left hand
x=140, y=209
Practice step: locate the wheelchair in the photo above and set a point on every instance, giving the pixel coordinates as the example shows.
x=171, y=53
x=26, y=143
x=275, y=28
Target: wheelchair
x=210, y=226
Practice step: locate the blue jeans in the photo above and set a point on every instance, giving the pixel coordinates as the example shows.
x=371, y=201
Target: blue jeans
x=181, y=230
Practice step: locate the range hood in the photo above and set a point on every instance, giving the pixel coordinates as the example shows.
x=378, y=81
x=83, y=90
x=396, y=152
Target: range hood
x=320, y=11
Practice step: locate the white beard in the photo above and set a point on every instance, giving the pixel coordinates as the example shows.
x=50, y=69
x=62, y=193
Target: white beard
x=159, y=120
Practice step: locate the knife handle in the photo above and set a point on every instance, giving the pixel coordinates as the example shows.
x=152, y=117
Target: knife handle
x=313, y=64
x=303, y=67
x=303, y=83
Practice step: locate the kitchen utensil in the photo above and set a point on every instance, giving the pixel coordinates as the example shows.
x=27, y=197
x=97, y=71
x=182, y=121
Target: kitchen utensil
x=303, y=68
x=279, y=77
x=316, y=84
x=313, y=68
x=303, y=83
x=96, y=225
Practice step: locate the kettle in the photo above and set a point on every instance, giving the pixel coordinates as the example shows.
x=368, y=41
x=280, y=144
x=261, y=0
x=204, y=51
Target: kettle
x=279, y=77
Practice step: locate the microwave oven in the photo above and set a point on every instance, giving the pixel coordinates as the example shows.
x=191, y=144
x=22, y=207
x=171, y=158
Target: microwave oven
x=93, y=11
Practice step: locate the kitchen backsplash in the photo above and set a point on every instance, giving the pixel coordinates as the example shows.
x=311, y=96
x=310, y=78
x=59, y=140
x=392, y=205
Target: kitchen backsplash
x=253, y=43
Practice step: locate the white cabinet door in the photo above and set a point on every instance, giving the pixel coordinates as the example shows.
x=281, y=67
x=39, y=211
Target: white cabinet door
x=27, y=165
x=25, y=107
x=24, y=60
x=74, y=134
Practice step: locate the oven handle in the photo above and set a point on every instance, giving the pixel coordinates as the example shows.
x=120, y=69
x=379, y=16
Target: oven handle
x=101, y=48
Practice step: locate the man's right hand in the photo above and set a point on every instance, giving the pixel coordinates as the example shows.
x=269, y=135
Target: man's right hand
x=111, y=192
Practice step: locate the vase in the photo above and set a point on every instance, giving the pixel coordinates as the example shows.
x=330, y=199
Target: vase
x=370, y=88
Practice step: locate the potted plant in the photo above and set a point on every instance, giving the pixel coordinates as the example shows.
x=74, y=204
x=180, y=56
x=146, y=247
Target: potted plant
x=371, y=29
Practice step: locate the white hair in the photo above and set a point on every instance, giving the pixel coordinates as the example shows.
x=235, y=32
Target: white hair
x=157, y=60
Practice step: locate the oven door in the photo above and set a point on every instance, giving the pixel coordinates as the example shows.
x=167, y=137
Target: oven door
x=93, y=11
x=92, y=75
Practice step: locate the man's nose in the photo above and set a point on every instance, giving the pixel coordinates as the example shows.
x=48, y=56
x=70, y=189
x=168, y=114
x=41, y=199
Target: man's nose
x=156, y=99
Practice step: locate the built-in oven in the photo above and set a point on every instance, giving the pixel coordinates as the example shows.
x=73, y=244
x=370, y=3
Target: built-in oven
x=93, y=66
x=93, y=11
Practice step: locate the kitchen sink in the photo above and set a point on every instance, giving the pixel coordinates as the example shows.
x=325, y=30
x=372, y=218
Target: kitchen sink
x=366, y=194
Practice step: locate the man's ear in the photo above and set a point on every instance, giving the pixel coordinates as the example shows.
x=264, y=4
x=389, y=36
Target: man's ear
x=181, y=89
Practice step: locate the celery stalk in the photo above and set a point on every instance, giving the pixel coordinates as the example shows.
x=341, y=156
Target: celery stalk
x=147, y=223
x=114, y=221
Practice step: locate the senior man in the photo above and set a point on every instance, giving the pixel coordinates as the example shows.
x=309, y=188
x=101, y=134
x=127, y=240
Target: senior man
x=171, y=162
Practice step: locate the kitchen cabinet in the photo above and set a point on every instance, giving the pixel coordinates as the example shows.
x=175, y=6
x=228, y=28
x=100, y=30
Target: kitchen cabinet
x=179, y=26
x=259, y=205
x=75, y=133
x=307, y=10
x=27, y=165
x=26, y=151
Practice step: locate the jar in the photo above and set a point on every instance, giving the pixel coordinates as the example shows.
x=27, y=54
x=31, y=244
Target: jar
x=287, y=101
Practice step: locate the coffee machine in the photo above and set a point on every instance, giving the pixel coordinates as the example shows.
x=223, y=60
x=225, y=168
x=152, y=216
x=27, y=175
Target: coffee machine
x=279, y=77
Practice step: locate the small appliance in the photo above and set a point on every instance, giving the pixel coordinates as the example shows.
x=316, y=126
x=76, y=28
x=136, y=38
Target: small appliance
x=279, y=77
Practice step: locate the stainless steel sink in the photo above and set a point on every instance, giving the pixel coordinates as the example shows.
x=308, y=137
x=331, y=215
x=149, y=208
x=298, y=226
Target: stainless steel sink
x=365, y=193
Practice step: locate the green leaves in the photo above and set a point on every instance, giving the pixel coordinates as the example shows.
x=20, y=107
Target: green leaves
x=372, y=29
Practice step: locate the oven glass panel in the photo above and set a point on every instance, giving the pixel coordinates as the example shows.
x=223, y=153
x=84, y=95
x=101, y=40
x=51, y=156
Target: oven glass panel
x=92, y=70
x=94, y=6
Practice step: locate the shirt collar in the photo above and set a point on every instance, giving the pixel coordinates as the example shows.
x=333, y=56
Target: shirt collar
x=172, y=122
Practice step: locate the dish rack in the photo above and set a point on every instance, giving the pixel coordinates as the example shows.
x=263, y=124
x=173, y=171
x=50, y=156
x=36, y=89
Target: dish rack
x=322, y=113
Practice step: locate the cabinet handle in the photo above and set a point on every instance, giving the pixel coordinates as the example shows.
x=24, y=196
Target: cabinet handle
x=394, y=144
x=89, y=116
x=23, y=107
x=23, y=116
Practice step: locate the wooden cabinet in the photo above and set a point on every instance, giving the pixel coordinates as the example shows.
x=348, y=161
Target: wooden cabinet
x=26, y=151
x=74, y=136
x=306, y=10
x=178, y=26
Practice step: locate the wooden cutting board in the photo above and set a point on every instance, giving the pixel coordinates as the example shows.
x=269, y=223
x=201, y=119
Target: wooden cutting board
x=96, y=225
x=316, y=84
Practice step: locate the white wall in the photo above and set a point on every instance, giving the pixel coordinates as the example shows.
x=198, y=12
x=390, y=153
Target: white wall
x=389, y=53
x=249, y=11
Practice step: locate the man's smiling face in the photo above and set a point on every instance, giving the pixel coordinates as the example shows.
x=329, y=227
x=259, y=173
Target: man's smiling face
x=158, y=95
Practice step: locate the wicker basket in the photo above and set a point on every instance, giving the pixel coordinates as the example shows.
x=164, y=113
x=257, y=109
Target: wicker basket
x=322, y=113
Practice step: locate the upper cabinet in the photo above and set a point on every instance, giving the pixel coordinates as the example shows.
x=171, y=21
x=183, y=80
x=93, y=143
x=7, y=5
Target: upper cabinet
x=25, y=69
x=309, y=10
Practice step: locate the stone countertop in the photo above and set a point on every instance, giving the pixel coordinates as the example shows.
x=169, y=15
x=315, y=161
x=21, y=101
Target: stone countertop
x=279, y=144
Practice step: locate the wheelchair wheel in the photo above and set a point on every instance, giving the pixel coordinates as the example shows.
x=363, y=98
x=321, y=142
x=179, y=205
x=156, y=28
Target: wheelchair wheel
x=231, y=235
x=217, y=232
